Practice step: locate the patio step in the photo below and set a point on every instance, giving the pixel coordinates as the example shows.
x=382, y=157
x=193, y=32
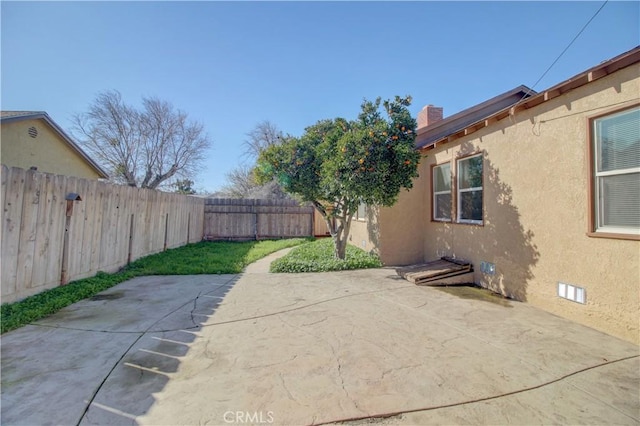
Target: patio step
x=445, y=271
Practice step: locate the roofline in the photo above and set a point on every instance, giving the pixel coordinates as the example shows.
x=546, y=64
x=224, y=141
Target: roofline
x=44, y=116
x=520, y=89
x=590, y=75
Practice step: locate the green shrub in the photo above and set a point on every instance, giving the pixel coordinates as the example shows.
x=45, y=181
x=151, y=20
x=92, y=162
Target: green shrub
x=318, y=256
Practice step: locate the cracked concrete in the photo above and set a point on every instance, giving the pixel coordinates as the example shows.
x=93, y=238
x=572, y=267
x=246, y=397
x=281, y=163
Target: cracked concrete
x=300, y=349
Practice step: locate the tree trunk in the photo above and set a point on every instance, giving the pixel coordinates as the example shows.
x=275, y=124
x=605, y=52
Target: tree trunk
x=340, y=250
x=340, y=236
x=338, y=228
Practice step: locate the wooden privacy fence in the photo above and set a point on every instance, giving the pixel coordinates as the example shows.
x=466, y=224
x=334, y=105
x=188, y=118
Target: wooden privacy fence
x=254, y=219
x=48, y=240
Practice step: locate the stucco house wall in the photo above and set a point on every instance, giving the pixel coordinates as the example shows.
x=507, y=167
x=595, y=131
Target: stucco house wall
x=536, y=207
x=48, y=151
x=395, y=233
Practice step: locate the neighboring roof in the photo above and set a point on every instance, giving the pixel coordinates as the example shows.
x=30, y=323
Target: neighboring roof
x=11, y=116
x=7, y=114
x=430, y=135
x=440, y=129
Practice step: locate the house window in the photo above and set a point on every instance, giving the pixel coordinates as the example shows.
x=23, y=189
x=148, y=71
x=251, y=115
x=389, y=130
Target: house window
x=469, y=181
x=361, y=214
x=616, y=147
x=442, y=192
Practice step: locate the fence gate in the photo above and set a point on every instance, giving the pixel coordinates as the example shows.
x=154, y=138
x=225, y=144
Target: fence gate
x=255, y=219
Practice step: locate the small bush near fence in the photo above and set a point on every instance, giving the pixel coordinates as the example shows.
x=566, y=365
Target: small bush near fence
x=193, y=259
x=318, y=256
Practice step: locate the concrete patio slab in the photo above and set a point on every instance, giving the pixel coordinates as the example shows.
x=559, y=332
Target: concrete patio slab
x=51, y=369
x=296, y=349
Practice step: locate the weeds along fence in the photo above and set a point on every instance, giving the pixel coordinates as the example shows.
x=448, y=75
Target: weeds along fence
x=57, y=228
x=255, y=219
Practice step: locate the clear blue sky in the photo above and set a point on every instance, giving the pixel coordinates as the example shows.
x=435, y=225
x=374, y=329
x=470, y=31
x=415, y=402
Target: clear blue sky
x=232, y=65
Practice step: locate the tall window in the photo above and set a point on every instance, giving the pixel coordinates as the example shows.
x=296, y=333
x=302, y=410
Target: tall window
x=442, y=192
x=469, y=200
x=616, y=140
x=361, y=214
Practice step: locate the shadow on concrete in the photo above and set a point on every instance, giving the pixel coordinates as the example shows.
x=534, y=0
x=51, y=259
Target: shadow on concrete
x=131, y=387
x=473, y=292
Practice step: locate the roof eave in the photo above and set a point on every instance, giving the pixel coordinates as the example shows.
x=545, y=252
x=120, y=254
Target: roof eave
x=522, y=89
x=592, y=74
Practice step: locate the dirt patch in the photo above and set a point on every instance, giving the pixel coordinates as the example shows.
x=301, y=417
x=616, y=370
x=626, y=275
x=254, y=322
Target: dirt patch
x=108, y=296
x=476, y=293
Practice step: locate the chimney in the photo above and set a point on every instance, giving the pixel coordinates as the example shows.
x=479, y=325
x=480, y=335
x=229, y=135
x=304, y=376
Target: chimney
x=429, y=115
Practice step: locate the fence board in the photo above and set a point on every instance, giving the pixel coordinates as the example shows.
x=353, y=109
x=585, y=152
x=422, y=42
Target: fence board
x=38, y=274
x=56, y=230
x=11, y=228
x=122, y=233
x=77, y=232
x=4, y=171
x=96, y=225
x=28, y=228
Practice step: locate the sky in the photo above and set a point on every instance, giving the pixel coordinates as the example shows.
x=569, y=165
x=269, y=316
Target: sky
x=232, y=65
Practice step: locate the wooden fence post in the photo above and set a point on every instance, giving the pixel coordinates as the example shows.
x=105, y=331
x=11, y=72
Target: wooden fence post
x=166, y=231
x=71, y=198
x=130, y=240
x=188, y=226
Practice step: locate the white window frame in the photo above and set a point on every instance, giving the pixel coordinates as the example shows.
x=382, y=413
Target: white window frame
x=597, y=201
x=435, y=193
x=460, y=191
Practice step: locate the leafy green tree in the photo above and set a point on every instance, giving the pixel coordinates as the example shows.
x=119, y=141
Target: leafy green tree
x=184, y=186
x=338, y=164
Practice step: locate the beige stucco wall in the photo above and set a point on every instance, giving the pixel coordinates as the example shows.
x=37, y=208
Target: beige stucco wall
x=47, y=151
x=395, y=233
x=536, y=206
x=361, y=236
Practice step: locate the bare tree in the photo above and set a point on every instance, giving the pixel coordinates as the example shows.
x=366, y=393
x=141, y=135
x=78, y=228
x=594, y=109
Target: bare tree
x=262, y=136
x=271, y=190
x=141, y=148
x=240, y=182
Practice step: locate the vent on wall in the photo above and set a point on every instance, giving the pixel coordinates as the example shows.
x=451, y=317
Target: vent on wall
x=572, y=292
x=487, y=268
x=33, y=132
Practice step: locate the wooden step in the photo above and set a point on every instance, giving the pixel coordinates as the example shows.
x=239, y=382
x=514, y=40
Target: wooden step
x=435, y=271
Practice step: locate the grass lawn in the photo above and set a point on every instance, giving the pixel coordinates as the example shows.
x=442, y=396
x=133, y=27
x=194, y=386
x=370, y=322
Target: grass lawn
x=317, y=256
x=193, y=259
